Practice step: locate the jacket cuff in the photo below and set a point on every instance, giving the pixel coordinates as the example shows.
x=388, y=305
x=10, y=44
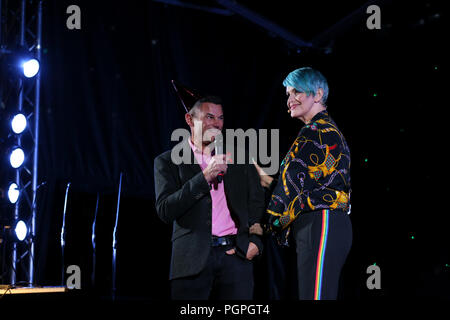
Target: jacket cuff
x=200, y=186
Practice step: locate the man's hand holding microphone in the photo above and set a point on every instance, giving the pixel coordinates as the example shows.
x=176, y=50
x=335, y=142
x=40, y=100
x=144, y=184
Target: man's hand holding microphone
x=217, y=165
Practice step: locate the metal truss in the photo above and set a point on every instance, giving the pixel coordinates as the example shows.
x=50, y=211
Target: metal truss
x=20, y=31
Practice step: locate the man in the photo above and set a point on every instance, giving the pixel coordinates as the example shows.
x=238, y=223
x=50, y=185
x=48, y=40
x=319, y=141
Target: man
x=212, y=250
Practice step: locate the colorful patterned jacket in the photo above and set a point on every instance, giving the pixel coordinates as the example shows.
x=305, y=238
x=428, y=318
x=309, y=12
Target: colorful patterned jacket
x=314, y=175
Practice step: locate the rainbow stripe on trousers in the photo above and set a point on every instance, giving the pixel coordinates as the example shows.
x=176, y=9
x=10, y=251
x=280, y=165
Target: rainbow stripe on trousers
x=321, y=256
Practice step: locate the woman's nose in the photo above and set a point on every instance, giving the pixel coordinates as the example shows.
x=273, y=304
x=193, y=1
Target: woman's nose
x=289, y=101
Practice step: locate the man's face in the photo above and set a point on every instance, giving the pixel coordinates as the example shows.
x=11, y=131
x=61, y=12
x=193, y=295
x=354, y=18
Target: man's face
x=208, y=122
x=298, y=102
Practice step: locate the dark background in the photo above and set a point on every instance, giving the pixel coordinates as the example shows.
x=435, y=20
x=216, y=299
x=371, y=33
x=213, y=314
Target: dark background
x=107, y=106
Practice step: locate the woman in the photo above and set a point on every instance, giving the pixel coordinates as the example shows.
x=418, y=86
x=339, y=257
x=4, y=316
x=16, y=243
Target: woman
x=311, y=197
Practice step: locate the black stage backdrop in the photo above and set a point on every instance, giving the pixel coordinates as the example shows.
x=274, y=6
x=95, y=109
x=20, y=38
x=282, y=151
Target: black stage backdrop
x=108, y=107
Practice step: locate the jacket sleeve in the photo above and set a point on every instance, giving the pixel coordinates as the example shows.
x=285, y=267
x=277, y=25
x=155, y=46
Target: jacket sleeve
x=173, y=200
x=256, y=204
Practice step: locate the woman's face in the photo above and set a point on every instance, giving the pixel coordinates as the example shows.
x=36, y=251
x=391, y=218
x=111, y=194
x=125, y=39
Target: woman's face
x=299, y=103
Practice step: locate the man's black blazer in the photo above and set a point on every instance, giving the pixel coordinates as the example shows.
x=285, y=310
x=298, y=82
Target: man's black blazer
x=183, y=198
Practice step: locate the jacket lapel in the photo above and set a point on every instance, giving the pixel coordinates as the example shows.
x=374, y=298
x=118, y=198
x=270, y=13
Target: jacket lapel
x=190, y=169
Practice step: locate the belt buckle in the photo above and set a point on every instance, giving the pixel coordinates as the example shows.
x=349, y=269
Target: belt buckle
x=221, y=241
x=224, y=241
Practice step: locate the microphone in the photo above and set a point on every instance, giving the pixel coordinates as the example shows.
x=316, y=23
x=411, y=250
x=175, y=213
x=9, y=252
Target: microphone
x=218, y=149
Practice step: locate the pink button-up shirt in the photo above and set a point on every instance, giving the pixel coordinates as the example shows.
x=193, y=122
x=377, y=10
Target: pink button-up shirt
x=222, y=224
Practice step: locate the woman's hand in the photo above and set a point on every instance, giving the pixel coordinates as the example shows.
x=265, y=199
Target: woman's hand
x=266, y=180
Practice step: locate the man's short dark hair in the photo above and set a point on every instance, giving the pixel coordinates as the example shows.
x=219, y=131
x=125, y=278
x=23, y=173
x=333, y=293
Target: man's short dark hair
x=207, y=99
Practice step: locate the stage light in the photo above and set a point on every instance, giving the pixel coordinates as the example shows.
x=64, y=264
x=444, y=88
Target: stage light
x=13, y=193
x=30, y=68
x=20, y=61
x=19, y=123
x=17, y=157
x=21, y=230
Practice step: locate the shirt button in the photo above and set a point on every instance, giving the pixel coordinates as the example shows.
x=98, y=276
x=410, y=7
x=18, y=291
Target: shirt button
x=208, y=223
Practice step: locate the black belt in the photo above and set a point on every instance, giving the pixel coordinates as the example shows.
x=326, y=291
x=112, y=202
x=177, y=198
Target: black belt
x=223, y=241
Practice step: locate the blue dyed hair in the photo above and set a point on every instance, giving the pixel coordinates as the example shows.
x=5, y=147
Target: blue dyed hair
x=307, y=80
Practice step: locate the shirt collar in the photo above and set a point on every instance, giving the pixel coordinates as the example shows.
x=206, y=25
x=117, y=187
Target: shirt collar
x=197, y=150
x=194, y=147
x=320, y=115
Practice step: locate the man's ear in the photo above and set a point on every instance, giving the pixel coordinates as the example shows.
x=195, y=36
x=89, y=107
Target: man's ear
x=189, y=121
